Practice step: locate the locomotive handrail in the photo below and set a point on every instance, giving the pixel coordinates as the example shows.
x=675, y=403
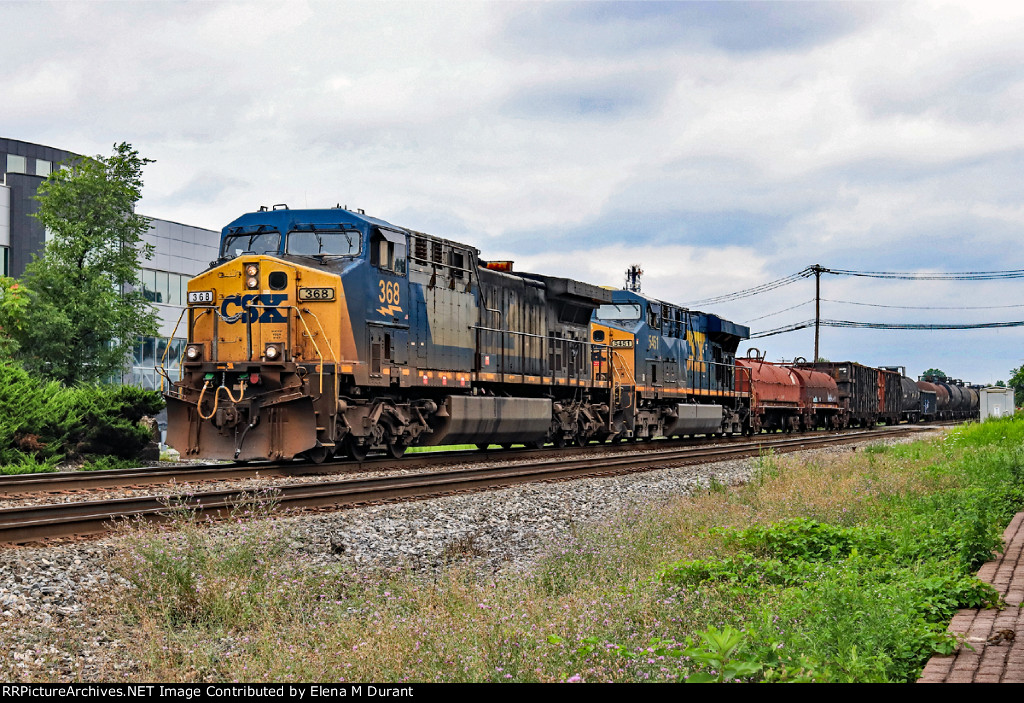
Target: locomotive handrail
x=616, y=375
x=245, y=309
x=316, y=347
x=161, y=367
x=568, y=340
x=531, y=334
x=334, y=357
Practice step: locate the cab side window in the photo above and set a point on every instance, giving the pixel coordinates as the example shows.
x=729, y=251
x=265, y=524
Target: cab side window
x=654, y=316
x=388, y=251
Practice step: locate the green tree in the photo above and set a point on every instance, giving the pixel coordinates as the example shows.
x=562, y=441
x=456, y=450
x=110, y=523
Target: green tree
x=935, y=373
x=87, y=305
x=1016, y=382
x=14, y=302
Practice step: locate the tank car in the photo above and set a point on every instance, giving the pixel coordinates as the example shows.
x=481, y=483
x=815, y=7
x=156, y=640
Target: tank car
x=775, y=395
x=941, y=393
x=929, y=405
x=820, y=400
x=319, y=332
x=974, y=401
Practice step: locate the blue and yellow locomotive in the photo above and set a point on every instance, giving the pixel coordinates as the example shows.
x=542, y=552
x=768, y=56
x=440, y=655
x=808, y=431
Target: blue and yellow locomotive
x=319, y=332
x=673, y=368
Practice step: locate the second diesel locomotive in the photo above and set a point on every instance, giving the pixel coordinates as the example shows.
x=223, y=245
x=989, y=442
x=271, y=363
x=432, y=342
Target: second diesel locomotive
x=318, y=332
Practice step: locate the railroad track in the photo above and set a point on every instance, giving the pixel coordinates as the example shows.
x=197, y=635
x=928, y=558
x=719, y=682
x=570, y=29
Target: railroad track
x=34, y=523
x=67, y=481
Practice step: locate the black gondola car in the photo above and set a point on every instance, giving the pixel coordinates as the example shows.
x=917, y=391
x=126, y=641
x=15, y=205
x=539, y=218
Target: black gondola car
x=858, y=389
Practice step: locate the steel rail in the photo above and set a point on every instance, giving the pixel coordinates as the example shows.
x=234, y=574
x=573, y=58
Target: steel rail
x=38, y=522
x=64, y=481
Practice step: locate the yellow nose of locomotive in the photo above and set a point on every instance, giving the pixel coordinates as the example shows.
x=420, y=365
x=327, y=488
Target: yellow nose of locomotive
x=264, y=341
x=245, y=310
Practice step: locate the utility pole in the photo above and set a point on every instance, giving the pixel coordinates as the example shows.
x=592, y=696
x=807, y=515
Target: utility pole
x=818, y=269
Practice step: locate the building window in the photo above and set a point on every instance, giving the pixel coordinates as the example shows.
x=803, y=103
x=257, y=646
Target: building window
x=17, y=164
x=149, y=286
x=43, y=167
x=164, y=287
x=150, y=352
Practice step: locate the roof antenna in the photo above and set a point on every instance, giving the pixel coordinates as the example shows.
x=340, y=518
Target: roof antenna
x=633, y=274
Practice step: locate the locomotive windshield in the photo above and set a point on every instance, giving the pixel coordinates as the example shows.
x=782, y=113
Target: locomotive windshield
x=323, y=242
x=254, y=242
x=618, y=312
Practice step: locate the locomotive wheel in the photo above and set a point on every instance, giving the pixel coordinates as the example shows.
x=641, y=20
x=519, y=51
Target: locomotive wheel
x=396, y=449
x=317, y=455
x=354, y=450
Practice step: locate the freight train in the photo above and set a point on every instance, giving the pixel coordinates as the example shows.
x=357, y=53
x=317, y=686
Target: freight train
x=326, y=332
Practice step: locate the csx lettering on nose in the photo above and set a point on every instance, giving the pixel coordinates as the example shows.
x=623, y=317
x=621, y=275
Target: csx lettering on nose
x=265, y=309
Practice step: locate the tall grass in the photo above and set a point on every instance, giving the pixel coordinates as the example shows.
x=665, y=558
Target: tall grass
x=843, y=567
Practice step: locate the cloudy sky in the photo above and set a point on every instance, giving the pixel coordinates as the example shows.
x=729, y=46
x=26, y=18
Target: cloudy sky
x=718, y=145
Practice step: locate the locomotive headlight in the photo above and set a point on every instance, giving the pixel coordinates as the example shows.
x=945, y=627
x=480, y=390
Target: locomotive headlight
x=194, y=352
x=272, y=352
x=252, y=272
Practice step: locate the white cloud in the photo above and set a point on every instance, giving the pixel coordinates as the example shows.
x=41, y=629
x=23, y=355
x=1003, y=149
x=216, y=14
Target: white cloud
x=878, y=137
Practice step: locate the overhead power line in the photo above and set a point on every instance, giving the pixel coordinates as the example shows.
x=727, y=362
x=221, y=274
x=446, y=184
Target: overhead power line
x=756, y=290
x=932, y=276
x=901, y=275
x=921, y=307
x=885, y=326
x=779, y=312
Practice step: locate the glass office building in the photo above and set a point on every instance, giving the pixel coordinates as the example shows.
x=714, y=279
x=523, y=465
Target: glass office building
x=180, y=252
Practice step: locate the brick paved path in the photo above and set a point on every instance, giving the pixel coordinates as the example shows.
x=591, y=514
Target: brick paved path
x=990, y=663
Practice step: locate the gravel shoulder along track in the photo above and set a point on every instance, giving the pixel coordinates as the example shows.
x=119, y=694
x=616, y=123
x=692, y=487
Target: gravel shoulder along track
x=51, y=595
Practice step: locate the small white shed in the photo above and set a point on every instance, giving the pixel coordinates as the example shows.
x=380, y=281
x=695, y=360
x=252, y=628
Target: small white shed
x=996, y=402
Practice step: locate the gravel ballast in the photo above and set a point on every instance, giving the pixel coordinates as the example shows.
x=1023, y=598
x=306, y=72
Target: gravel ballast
x=49, y=588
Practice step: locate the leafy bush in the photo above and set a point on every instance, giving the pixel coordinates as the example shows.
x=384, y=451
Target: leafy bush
x=44, y=424
x=805, y=539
